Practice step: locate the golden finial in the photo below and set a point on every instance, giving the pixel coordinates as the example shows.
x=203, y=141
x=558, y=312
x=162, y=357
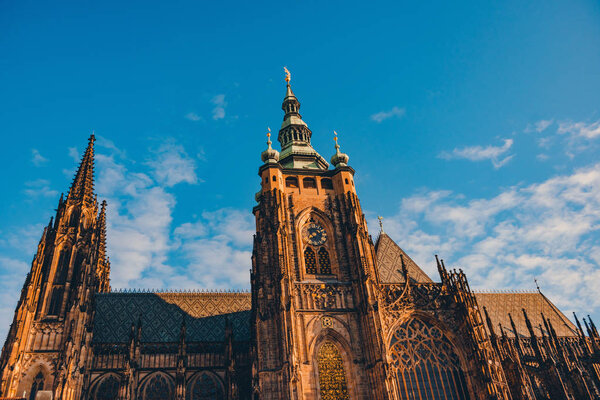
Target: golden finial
x=269, y=133
x=269, y=137
x=288, y=76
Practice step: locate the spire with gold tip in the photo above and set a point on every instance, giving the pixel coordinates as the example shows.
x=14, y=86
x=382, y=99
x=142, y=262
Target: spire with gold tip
x=270, y=155
x=339, y=159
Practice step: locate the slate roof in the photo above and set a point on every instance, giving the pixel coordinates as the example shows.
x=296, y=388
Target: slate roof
x=390, y=265
x=161, y=314
x=500, y=304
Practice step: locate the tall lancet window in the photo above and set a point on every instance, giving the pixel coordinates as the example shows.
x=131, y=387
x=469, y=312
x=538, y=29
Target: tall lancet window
x=324, y=262
x=310, y=261
x=425, y=364
x=332, y=377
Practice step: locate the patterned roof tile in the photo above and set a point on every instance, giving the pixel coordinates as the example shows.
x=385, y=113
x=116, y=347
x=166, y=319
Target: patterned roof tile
x=162, y=314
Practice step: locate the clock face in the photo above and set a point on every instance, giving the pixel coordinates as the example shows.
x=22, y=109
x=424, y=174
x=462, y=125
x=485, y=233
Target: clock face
x=315, y=234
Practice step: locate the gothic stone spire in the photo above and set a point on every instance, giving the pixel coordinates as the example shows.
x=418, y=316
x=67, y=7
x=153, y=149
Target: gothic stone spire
x=82, y=188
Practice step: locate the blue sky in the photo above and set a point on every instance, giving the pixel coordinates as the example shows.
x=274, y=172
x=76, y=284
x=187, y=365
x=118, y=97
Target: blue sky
x=474, y=128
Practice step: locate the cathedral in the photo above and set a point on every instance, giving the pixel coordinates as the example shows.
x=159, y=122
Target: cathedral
x=331, y=314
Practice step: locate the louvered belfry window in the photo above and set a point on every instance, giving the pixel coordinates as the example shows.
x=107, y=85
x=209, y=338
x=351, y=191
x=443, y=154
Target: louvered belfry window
x=332, y=376
x=310, y=261
x=425, y=363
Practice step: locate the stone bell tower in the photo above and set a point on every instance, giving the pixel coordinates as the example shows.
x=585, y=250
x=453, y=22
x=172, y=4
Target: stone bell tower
x=48, y=342
x=313, y=273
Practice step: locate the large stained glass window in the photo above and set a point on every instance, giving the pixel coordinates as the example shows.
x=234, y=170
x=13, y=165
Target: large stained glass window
x=332, y=377
x=425, y=363
x=107, y=389
x=158, y=387
x=310, y=261
x=324, y=263
x=205, y=387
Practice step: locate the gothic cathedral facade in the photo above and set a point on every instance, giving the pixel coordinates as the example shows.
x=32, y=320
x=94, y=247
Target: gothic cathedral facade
x=331, y=313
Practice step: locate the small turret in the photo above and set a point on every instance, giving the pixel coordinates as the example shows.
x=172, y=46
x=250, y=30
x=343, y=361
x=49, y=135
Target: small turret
x=270, y=155
x=339, y=159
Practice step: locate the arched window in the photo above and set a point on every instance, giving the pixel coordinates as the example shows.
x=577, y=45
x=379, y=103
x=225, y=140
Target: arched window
x=310, y=261
x=332, y=377
x=309, y=183
x=425, y=363
x=38, y=384
x=291, y=182
x=324, y=262
x=205, y=387
x=107, y=389
x=157, y=387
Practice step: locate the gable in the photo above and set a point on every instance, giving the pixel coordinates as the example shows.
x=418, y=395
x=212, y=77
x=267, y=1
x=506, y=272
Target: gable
x=389, y=263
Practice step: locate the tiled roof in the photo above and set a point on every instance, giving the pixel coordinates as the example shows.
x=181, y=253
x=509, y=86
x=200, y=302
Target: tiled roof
x=205, y=315
x=500, y=304
x=390, y=265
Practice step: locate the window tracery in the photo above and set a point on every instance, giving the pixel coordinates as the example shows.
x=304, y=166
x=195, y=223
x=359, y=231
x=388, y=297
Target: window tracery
x=205, y=387
x=332, y=376
x=324, y=262
x=107, y=389
x=425, y=363
x=310, y=261
x=158, y=387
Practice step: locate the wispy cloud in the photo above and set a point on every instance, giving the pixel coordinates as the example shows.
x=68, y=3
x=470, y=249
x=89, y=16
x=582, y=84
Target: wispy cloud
x=192, y=116
x=39, y=188
x=381, y=116
x=545, y=229
x=585, y=130
x=218, y=111
x=172, y=165
x=480, y=153
x=37, y=159
x=539, y=126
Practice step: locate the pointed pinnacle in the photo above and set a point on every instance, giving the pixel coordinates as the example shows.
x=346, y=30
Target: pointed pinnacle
x=82, y=188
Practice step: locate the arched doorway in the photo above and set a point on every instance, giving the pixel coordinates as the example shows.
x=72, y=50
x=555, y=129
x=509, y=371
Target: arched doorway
x=332, y=375
x=425, y=363
x=37, y=385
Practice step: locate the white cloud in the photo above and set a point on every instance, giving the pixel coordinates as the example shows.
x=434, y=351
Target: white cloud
x=383, y=115
x=544, y=230
x=39, y=188
x=172, y=165
x=539, y=126
x=219, y=109
x=37, y=159
x=74, y=154
x=192, y=116
x=480, y=153
x=580, y=129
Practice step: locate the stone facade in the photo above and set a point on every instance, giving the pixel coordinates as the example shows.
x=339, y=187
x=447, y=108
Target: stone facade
x=331, y=314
